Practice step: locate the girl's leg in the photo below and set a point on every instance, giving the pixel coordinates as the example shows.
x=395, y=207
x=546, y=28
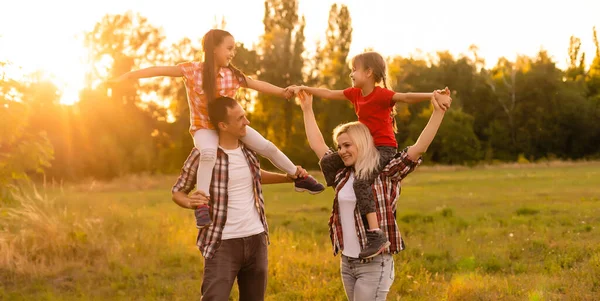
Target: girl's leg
x=206, y=141
x=256, y=142
x=364, y=191
x=267, y=149
x=365, y=198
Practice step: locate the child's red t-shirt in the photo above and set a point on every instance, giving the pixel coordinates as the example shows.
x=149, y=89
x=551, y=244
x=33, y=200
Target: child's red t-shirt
x=374, y=111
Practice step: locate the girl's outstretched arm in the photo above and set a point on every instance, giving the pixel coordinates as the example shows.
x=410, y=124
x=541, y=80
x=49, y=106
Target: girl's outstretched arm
x=412, y=98
x=320, y=92
x=172, y=71
x=267, y=88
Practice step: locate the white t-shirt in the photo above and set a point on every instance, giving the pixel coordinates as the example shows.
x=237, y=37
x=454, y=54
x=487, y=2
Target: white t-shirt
x=347, y=203
x=242, y=215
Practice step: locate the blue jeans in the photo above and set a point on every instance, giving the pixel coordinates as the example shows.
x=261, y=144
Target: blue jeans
x=367, y=281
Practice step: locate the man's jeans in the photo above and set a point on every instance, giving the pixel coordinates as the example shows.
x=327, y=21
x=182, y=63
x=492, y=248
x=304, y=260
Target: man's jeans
x=244, y=258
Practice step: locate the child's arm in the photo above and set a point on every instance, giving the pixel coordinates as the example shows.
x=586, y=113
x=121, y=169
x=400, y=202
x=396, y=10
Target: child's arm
x=320, y=92
x=412, y=98
x=267, y=88
x=313, y=134
x=415, y=151
x=172, y=71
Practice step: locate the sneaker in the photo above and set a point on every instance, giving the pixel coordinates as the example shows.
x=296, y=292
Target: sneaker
x=309, y=184
x=376, y=243
x=202, y=216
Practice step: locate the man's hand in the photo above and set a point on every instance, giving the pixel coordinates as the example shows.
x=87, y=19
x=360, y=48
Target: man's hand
x=300, y=173
x=197, y=198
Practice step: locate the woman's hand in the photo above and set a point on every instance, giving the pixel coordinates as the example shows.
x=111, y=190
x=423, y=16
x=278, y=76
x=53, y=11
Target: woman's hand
x=306, y=100
x=443, y=98
x=441, y=101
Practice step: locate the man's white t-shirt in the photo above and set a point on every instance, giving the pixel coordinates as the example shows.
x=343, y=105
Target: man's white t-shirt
x=243, y=219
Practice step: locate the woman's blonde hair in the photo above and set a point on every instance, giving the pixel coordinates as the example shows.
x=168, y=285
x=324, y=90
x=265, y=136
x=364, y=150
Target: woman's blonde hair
x=368, y=156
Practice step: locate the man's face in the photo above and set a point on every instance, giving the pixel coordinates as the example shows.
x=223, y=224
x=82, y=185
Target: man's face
x=236, y=122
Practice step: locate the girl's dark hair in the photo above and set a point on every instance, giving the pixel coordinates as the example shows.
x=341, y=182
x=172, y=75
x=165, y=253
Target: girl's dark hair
x=374, y=61
x=211, y=40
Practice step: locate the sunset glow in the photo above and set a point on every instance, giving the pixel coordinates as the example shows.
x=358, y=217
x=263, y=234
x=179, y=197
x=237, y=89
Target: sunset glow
x=55, y=46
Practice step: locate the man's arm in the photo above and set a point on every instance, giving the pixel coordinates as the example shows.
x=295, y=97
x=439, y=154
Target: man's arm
x=191, y=201
x=186, y=182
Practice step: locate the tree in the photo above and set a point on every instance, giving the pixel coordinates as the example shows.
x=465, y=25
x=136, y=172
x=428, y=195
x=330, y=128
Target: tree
x=128, y=143
x=576, y=63
x=281, y=63
x=331, y=70
x=22, y=151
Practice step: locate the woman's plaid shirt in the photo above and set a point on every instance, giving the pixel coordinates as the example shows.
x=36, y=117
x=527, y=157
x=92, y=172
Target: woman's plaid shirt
x=387, y=190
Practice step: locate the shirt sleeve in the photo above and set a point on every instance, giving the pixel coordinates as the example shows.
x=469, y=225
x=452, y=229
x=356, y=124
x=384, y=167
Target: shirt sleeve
x=387, y=96
x=401, y=165
x=187, y=178
x=350, y=94
x=331, y=163
x=241, y=77
x=189, y=70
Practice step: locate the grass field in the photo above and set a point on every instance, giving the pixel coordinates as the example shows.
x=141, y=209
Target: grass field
x=514, y=232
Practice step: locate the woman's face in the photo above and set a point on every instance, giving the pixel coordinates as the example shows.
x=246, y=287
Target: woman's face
x=347, y=149
x=225, y=52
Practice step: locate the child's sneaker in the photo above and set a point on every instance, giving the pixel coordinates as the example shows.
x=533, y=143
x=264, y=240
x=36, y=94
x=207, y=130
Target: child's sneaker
x=309, y=184
x=202, y=216
x=376, y=243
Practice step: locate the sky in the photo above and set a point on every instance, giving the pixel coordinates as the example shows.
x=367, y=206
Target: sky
x=46, y=35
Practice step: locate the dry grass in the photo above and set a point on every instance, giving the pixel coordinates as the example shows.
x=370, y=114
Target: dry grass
x=497, y=233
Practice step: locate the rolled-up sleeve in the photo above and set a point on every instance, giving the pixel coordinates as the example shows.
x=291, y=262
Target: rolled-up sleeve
x=401, y=165
x=189, y=70
x=331, y=163
x=187, y=178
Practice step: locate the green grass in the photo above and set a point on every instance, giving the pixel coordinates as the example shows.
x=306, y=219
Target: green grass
x=528, y=232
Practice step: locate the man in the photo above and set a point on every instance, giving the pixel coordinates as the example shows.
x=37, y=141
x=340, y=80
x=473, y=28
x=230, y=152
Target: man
x=234, y=245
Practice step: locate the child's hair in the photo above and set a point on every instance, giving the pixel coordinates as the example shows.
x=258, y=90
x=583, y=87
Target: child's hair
x=212, y=39
x=374, y=61
x=368, y=156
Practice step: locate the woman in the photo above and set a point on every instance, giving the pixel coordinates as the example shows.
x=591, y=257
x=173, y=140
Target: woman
x=369, y=279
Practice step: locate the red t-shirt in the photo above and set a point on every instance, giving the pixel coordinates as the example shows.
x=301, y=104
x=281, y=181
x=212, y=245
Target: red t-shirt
x=374, y=111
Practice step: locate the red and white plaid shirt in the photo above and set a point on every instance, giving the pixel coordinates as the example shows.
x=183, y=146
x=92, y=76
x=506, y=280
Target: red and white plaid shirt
x=387, y=190
x=209, y=238
x=227, y=84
